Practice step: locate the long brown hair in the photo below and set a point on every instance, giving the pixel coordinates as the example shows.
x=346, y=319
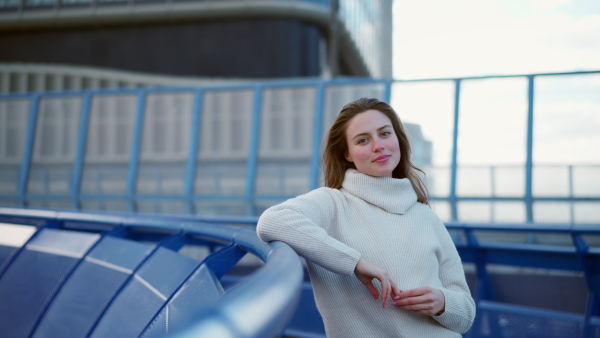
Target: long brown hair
x=335, y=163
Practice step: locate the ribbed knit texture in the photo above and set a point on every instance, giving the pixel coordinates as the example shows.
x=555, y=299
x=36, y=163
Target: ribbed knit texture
x=379, y=219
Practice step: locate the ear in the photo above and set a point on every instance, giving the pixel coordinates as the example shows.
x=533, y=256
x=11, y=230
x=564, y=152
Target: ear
x=348, y=157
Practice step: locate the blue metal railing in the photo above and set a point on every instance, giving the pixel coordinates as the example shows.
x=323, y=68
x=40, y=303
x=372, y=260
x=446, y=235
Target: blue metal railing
x=578, y=256
x=273, y=289
x=483, y=246
x=189, y=196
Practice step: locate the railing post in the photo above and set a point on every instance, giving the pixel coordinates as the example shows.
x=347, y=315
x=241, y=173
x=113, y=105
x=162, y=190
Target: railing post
x=571, y=204
x=387, y=91
x=454, y=163
x=484, y=285
x=251, y=169
x=190, y=170
x=28, y=151
x=80, y=152
x=529, y=160
x=136, y=147
x=493, y=193
x=315, y=162
x=484, y=289
x=591, y=277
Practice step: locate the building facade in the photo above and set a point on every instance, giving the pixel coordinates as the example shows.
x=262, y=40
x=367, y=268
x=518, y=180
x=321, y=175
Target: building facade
x=225, y=39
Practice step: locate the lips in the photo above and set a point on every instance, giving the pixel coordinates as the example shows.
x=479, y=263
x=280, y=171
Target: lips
x=382, y=158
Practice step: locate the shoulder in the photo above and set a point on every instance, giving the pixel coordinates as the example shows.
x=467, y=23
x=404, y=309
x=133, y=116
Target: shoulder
x=428, y=216
x=317, y=199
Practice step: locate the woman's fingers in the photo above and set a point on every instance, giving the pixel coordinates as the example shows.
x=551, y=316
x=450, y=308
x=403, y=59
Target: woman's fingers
x=425, y=300
x=385, y=291
x=366, y=271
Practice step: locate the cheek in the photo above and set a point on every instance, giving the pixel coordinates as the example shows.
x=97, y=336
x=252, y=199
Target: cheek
x=359, y=153
x=393, y=145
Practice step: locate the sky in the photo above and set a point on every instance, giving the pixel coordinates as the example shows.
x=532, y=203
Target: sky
x=441, y=39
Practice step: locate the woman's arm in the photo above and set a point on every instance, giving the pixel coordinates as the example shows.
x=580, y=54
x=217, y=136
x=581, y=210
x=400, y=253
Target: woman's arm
x=300, y=222
x=459, y=312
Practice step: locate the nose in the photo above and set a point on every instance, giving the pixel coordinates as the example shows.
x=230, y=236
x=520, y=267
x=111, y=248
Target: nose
x=377, y=144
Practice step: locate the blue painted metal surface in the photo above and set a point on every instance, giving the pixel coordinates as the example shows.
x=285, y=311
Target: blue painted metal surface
x=170, y=233
x=140, y=288
x=506, y=317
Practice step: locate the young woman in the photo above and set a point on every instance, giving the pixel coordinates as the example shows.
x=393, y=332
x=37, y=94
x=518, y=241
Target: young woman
x=371, y=226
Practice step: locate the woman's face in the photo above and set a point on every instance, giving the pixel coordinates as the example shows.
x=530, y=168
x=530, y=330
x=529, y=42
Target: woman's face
x=372, y=144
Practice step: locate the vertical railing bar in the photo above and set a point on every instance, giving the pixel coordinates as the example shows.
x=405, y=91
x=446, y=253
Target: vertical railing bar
x=493, y=186
x=190, y=173
x=28, y=150
x=529, y=159
x=589, y=271
x=571, y=195
x=80, y=152
x=251, y=168
x=315, y=163
x=387, y=91
x=454, y=163
x=135, y=150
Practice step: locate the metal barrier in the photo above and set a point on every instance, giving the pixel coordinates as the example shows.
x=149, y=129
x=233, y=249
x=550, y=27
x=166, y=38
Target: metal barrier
x=571, y=248
x=83, y=274
x=546, y=248
x=114, y=150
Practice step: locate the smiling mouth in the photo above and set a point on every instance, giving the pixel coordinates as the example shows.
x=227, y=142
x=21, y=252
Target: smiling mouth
x=381, y=159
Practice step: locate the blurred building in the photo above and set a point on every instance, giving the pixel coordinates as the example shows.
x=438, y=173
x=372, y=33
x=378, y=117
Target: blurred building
x=422, y=149
x=80, y=44
x=95, y=150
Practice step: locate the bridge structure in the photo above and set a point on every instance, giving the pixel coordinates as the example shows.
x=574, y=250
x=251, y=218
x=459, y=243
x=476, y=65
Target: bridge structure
x=91, y=275
x=158, y=159
x=150, y=278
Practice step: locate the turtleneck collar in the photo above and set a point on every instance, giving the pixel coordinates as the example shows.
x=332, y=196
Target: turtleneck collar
x=394, y=195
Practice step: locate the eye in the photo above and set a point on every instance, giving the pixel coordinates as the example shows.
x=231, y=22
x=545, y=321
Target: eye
x=386, y=133
x=362, y=141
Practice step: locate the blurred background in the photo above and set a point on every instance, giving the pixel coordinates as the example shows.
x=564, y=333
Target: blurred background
x=219, y=107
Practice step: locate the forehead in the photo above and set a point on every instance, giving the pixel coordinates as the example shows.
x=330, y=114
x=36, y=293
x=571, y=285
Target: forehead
x=365, y=122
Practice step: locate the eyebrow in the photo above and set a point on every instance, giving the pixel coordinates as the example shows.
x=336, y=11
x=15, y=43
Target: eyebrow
x=378, y=129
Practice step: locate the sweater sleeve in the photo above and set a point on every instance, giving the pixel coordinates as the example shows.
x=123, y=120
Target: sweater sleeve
x=460, y=307
x=300, y=222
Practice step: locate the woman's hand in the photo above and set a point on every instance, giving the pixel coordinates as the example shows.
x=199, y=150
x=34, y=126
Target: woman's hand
x=424, y=300
x=366, y=271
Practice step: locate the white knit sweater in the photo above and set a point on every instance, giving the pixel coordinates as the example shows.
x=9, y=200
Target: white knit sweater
x=379, y=219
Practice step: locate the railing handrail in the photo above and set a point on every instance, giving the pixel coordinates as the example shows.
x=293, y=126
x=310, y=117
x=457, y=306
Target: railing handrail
x=273, y=289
